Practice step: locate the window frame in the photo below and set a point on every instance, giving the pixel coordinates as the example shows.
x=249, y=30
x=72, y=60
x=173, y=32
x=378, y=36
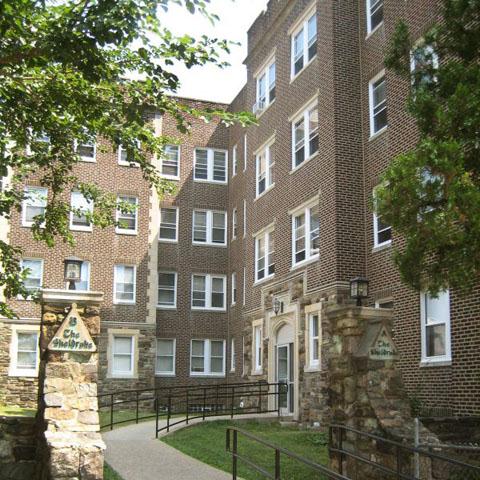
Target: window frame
x=232, y=355
x=178, y=160
x=268, y=174
x=234, y=291
x=123, y=373
x=208, y=292
x=301, y=26
x=371, y=106
x=305, y=210
x=88, y=266
x=93, y=144
x=168, y=240
x=42, y=263
x=207, y=358
x=304, y=114
x=234, y=160
x=43, y=192
x=265, y=72
x=13, y=369
x=118, y=214
x=209, y=228
x=265, y=234
x=175, y=289
x=125, y=163
x=312, y=362
x=210, y=165
x=124, y=302
x=234, y=223
x=382, y=301
x=369, y=5
x=161, y=373
x=257, y=351
x=245, y=152
x=89, y=209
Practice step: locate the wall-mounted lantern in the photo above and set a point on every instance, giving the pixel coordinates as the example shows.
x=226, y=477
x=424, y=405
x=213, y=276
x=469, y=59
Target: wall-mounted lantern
x=73, y=271
x=359, y=289
x=277, y=306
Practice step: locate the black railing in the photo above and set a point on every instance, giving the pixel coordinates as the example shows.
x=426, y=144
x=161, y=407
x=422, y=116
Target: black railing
x=170, y=406
x=342, y=440
x=232, y=435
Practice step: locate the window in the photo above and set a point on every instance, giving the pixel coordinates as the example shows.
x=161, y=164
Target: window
x=170, y=164
x=234, y=224
x=244, y=152
x=382, y=233
x=264, y=164
x=234, y=161
x=384, y=303
x=305, y=136
x=210, y=165
x=86, y=151
x=304, y=44
x=207, y=357
x=374, y=14
x=258, y=348
x=232, y=355
x=167, y=290
x=264, y=255
x=34, y=279
x=84, y=283
x=168, y=225
x=265, y=87
x=127, y=157
x=24, y=352
x=306, y=234
x=80, y=214
x=244, y=218
x=314, y=340
x=124, y=284
x=165, y=361
x=244, y=291
x=435, y=317
x=209, y=227
x=34, y=204
x=423, y=65
x=123, y=355
x=127, y=221
x=208, y=292
x=234, y=288
x=378, y=104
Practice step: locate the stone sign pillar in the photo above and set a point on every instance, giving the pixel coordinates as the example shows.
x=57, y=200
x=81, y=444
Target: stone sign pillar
x=71, y=444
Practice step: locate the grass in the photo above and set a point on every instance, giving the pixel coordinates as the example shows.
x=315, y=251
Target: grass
x=206, y=442
x=109, y=473
x=11, y=411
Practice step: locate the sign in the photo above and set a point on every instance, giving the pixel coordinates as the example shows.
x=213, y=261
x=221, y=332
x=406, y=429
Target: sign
x=72, y=336
x=383, y=347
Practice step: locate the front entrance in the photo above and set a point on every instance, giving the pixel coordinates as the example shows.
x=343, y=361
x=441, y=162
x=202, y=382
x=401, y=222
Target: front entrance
x=285, y=374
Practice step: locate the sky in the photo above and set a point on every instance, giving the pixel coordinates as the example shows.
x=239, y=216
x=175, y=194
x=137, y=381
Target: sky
x=209, y=82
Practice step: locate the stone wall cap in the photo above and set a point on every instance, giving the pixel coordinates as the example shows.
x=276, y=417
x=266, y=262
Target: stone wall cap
x=60, y=296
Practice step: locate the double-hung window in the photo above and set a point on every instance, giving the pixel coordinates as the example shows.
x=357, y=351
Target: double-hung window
x=305, y=233
x=170, y=164
x=165, y=357
x=24, y=353
x=374, y=14
x=207, y=357
x=314, y=340
x=304, y=44
x=258, y=347
x=378, y=104
x=435, y=318
x=209, y=227
x=80, y=214
x=234, y=288
x=232, y=355
x=168, y=231
x=208, y=292
x=305, y=136
x=34, y=204
x=124, y=284
x=265, y=81
x=123, y=355
x=234, y=160
x=126, y=157
x=264, y=165
x=86, y=150
x=264, y=255
x=127, y=219
x=34, y=278
x=234, y=224
x=210, y=165
x=382, y=233
x=167, y=290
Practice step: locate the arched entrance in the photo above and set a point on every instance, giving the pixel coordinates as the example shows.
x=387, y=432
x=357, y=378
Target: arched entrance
x=285, y=365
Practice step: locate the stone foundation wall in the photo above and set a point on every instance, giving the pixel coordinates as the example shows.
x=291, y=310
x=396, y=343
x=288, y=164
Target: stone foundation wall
x=14, y=391
x=17, y=448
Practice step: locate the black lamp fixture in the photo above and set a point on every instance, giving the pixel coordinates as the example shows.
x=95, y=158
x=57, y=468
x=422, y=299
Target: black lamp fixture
x=359, y=289
x=277, y=306
x=73, y=271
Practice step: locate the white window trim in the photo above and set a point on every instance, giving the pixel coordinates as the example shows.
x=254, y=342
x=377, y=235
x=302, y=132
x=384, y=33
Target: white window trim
x=207, y=358
x=13, y=370
x=368, y=4
x=269, y=164
x=266, y=232
x=234, y=223
x=376, y=243
x=304, y=210
x=42, y=192
x=234, y=160
x=306, y=122
x=124, y=302
x=232, y=355
x=86, y=159
x=160, y=373
x=175, y=286
x=265, y=71
x=380, y=301
x=80, y=228
x=310, y=311
x=257, y=362
x=375, y=79
x=210, y=153
x=128, y=333
x=314, y=363
x=245, y=153
x=20, y=297
x=208, y=293
x=244, y=218
x=171, y=177
x=244, y=291
x=233, y=284
x=440, y=359
x=124, y=163
x=301, y=24
x=168, y=240
x=209, y=227
x=126, y=231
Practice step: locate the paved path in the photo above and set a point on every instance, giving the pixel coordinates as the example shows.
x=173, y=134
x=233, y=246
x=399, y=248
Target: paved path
x=135, y=454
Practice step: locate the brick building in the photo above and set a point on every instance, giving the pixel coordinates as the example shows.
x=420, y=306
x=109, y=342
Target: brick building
x=273, y=217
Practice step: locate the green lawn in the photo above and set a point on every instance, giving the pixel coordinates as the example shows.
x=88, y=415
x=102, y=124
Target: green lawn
x=109, y=473
x=17, y=411
x=206, y=442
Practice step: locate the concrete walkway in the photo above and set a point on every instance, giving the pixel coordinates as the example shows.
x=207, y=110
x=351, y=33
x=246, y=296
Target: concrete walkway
x=135, y=454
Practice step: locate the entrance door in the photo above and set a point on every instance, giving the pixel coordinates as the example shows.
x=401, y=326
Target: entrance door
x=285, y=375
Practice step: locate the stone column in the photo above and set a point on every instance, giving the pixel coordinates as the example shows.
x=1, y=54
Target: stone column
x=72, y=447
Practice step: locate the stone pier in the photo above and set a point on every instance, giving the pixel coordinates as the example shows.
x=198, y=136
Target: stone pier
x=71, y=444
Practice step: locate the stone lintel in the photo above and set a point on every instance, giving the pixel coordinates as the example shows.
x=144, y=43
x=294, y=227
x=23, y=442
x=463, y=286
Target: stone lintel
x=67, y=297
x=367, y=313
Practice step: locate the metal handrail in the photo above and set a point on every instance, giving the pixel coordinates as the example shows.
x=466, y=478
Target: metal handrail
x=232, y=447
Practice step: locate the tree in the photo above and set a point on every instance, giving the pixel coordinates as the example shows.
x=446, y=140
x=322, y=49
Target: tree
x=64, y=73
x=431, y=194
